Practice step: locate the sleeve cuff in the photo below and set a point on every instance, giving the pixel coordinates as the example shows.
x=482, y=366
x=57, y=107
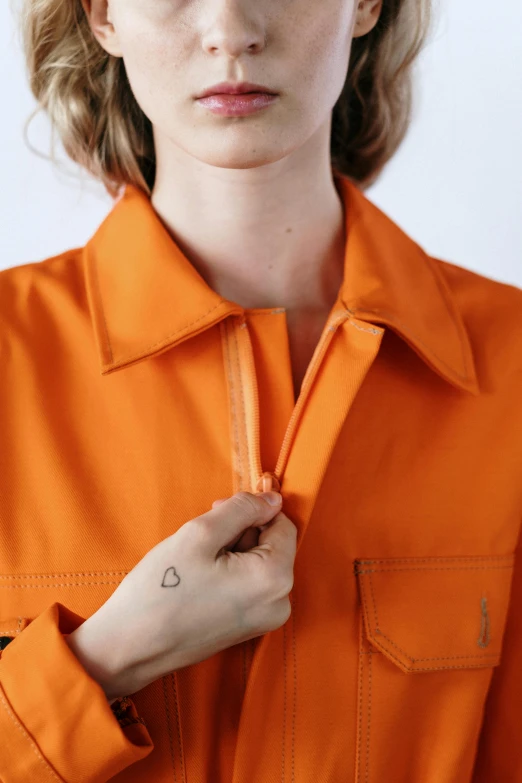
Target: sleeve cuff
x=55, y=721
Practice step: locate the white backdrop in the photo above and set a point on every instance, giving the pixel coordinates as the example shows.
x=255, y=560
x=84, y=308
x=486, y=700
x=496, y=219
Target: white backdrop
x=455, y=185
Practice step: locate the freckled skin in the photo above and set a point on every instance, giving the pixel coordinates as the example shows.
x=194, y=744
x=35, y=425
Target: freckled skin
x=238, y=191
x=250, y=200
x=175, y=48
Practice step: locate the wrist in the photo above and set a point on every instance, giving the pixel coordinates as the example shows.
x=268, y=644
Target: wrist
x=93, y=652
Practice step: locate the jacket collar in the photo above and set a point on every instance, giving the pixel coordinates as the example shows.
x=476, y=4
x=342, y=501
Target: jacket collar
x=146, y=297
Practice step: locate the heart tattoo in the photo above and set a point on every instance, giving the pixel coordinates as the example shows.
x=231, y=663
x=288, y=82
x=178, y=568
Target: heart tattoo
x=171, y=578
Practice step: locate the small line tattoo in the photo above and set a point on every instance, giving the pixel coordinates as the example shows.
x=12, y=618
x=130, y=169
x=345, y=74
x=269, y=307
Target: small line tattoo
x=171, y=578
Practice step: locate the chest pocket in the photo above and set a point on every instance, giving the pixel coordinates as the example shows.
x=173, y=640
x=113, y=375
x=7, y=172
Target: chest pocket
x=431, y=632
x=426, y=614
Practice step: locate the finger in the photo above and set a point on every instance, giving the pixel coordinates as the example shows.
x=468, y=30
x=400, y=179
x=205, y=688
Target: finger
x=227, y=520
x=281, y=537
x=249, y=539
x=222, y=500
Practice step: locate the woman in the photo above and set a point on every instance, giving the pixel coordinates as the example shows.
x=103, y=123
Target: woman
x=245, y=320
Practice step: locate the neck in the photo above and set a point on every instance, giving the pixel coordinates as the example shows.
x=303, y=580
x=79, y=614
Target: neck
x=259, y=239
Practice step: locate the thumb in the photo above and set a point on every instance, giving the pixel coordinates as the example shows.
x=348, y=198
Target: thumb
x=229, y=517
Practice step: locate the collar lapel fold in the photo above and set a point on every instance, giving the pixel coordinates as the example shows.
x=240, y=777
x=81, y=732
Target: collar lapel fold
x=389, y=279
x=146, y=297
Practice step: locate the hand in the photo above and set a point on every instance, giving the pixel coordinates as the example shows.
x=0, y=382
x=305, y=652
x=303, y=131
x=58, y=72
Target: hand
x=192, y=596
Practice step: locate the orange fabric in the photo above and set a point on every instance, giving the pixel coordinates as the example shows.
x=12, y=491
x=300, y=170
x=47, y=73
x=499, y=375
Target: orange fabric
x=132, y=395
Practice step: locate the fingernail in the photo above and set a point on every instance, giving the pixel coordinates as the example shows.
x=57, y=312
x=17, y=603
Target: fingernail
x=274, y=498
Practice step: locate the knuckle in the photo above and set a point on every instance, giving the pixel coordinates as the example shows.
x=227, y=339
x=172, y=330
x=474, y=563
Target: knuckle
x=284, y=584
x=286, y=610
x=276, y=583
x=280, y=614
x=260, y=580
x=290, y=526
x=198, y=530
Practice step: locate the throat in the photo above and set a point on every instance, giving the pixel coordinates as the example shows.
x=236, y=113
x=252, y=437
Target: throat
x=304, y=333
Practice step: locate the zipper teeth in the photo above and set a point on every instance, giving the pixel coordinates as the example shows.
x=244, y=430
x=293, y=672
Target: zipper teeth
x=254, y=451
x=307, y=382
x=232, y=362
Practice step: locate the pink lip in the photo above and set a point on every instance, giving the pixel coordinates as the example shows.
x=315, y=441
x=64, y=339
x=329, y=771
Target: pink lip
x=234, y=88
x=237, y=105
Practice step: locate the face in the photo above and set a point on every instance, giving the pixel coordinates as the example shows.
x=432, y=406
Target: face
x=175, y=49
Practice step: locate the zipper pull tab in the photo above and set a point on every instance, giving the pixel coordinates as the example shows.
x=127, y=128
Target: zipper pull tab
x=268, y=482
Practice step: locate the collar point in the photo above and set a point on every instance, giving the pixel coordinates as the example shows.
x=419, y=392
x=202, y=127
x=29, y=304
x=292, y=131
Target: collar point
x=471, y=385
x=465, y=381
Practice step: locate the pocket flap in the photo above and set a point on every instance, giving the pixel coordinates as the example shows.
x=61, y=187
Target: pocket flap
x=430, y=613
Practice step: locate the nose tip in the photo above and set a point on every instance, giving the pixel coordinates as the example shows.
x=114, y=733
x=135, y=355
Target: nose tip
x=268, y=482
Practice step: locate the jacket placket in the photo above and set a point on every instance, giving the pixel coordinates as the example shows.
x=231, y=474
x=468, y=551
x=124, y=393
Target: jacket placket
x=342, y=358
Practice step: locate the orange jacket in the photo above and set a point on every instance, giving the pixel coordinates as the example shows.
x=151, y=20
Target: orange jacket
x=132, y=395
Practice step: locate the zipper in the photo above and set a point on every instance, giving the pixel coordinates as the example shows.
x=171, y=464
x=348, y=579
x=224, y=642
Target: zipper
x=241, y=372
x=337, y=369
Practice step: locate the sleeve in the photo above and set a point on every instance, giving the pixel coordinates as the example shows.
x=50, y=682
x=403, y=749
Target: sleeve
x=56, y=724
x=499, y=750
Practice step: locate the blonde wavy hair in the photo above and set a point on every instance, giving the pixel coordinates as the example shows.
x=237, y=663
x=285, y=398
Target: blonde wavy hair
x=88, y=99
